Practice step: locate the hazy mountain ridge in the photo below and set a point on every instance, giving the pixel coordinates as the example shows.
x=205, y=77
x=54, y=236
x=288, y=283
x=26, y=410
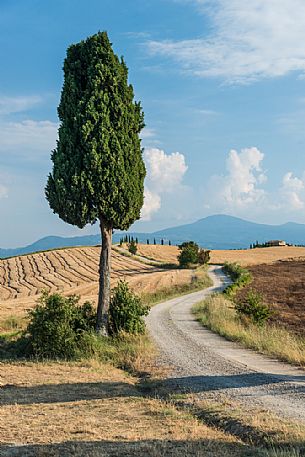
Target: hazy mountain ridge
x=214, y=232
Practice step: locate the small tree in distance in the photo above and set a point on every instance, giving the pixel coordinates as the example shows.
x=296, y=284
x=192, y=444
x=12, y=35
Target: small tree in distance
x=98, y=169
x=132, y=247
x=189, y=254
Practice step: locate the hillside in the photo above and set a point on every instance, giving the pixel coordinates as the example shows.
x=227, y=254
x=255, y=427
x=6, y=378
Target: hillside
x=213, y=232
x=74, y=271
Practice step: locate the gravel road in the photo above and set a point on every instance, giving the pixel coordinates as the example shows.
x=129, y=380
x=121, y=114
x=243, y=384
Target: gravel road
x=212, y=367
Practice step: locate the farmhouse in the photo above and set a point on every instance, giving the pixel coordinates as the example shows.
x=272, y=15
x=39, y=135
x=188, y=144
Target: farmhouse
x=276, y=243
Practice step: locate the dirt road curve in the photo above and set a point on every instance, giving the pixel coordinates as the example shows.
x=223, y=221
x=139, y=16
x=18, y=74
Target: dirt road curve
x=208, y=365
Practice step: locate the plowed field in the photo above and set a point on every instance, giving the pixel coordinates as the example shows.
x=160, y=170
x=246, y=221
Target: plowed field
x=282, y=285
x=73, y=271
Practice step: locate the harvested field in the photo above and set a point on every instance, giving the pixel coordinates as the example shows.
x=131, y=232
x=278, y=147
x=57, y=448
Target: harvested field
x=257, y=256
x=282, y=285
x=91, y=409
x=74, y=271
x=243, y=256
x=166, y=254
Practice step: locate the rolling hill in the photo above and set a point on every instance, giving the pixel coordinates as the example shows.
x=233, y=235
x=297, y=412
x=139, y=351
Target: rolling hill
x=213, y=232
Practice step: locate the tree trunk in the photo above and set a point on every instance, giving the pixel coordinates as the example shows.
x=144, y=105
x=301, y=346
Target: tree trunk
x=104, y=279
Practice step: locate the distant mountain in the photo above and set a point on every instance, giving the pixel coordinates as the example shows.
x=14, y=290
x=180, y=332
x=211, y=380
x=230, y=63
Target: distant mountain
x=227, y=232
x=52, y=242
x=213, y=232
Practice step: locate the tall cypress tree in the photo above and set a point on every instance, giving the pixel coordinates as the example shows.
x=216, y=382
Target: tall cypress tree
x=98, y=170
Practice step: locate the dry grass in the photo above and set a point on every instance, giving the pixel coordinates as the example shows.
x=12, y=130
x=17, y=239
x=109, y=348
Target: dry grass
x=244, y=256
x=199, y=280
x=167, y=254
x=94, y=409
x=218, y=314
x=257, y=256
x=253, y=425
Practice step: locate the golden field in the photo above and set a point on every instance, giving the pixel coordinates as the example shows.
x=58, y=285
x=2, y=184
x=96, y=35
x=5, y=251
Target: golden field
x=74, y=271
x=243, y=256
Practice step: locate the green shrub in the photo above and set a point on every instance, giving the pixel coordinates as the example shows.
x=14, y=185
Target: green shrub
x=132, y=247
x=189, y=254
x=239, y=275
x=126, y=311
x=57, y=325
x=254, y=308
x=204, y=256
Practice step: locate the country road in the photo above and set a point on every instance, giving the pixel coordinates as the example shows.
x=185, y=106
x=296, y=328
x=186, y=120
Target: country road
x=210, y=366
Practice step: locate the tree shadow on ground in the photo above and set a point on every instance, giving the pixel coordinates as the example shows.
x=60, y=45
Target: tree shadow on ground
x=198, y=384
x=61, y=393
x=145, y=448
x=11, y=394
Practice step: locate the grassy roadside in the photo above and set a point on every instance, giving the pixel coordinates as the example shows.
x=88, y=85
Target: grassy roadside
x=200, y=280
x=218, y=313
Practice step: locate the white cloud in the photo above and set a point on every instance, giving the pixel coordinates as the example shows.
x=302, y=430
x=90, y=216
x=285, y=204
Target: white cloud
x=248, y=40
x=292, y=192
x=165, y=171
x=239, y=188
x=10, y=105
x=152, y=203
x=28, y=139
x=164, y=175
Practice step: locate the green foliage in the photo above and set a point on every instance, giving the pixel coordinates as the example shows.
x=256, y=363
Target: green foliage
x=204, y=256
x=239, y=275
x=189, y=244
x=98, y=168
x=57, y=326
x=132, y=247
x=189, y=254
x=254, y=308
x=126, y=311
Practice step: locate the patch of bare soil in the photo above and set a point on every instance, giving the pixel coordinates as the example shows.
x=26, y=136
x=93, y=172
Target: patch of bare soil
x=282, y=285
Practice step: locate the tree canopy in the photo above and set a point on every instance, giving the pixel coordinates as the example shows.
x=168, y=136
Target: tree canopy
x=98, y=167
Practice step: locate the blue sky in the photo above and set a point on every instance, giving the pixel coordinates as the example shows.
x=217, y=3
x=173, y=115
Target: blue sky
x=222, y=84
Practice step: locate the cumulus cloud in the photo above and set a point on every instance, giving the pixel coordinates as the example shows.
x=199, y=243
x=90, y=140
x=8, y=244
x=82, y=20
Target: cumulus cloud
x=248, y=40
x=164, y=175
x=152, y=203
x=28, y=139
x=292, y=192
x=240, y=187
x=165, y=171
x=11, y=105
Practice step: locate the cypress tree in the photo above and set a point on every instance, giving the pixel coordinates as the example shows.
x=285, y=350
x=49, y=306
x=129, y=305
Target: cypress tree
x=98, y=169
